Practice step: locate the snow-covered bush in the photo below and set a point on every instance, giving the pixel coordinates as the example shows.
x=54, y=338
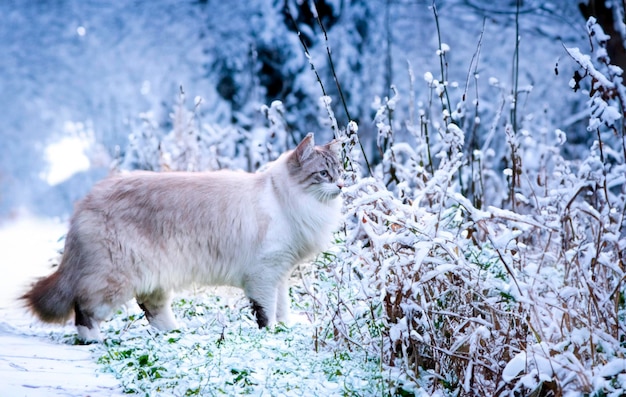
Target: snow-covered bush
x=188, y=144
x=507, y=291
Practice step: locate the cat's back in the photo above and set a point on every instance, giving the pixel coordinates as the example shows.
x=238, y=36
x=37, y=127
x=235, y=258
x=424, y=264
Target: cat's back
x=174, y=211
x=160, y=190
x=155, y=203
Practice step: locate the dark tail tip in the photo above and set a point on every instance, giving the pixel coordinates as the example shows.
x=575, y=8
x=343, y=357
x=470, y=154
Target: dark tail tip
x=48, y=300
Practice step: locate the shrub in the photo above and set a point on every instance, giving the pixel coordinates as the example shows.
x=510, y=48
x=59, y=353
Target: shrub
x=466, y=291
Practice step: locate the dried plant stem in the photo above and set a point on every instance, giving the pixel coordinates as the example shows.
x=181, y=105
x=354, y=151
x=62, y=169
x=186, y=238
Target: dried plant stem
x=442, y=63
x=332, y=67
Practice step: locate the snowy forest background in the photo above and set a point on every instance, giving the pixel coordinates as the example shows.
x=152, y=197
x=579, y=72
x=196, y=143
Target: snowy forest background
x=483, y=247
x=98, y=70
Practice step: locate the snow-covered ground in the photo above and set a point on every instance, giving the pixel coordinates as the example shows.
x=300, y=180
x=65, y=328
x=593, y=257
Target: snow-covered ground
x=34, y=359
x=218, y=351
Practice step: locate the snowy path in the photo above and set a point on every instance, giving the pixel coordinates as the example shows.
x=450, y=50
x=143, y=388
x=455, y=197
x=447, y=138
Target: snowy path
x=32, y=363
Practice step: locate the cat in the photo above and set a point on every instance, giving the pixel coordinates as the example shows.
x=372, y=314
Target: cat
x=145, y=234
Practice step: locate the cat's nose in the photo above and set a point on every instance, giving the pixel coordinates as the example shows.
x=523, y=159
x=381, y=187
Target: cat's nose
x=340, y=184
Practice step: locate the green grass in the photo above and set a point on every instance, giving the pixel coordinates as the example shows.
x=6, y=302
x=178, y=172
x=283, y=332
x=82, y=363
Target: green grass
x=222, y=353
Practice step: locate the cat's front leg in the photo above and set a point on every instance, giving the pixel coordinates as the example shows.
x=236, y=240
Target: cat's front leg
x=283, y=301
x=262, y=294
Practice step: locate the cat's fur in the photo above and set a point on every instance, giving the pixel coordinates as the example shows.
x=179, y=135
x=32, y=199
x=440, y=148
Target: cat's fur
x=146, y=234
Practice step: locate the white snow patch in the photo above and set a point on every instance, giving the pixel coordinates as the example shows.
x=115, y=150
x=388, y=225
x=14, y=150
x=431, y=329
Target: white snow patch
x=26, y=247
x=67, y=156
x=515, y=367
x=612, y=368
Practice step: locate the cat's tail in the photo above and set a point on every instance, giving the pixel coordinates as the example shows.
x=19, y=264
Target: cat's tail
x=51, y=298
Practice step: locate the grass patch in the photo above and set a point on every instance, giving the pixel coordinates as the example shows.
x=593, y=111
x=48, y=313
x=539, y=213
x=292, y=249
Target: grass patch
x=222, y=352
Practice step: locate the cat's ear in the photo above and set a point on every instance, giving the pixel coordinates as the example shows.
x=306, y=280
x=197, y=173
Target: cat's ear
x=335, y=146
x=305, y=148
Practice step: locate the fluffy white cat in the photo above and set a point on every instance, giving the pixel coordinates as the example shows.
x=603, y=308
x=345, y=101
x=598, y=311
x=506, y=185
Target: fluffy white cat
x=145, y=234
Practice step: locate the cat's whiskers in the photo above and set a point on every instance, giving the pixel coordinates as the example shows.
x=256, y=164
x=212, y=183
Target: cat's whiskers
x=327, y=192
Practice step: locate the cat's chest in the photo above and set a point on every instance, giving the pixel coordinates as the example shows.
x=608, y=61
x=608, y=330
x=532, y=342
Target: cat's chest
x=298, y=235
x=299, y=225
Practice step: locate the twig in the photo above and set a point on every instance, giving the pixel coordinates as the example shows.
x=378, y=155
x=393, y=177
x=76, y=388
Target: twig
x=442, y=56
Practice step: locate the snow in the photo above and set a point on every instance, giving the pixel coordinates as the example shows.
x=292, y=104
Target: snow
x=428, y=77
x=32, y=366
x=65, y=158
x=443, y=49
x=613, y=368
x=36, y=360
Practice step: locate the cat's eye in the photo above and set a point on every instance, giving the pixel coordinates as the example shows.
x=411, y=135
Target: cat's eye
x=324, y=173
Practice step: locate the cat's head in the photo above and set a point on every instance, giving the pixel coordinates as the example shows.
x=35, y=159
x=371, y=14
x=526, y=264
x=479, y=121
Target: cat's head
x=317, y=169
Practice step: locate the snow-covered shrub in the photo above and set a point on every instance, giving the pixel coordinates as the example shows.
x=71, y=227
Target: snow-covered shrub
x=510, y=288
x=185, y=143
